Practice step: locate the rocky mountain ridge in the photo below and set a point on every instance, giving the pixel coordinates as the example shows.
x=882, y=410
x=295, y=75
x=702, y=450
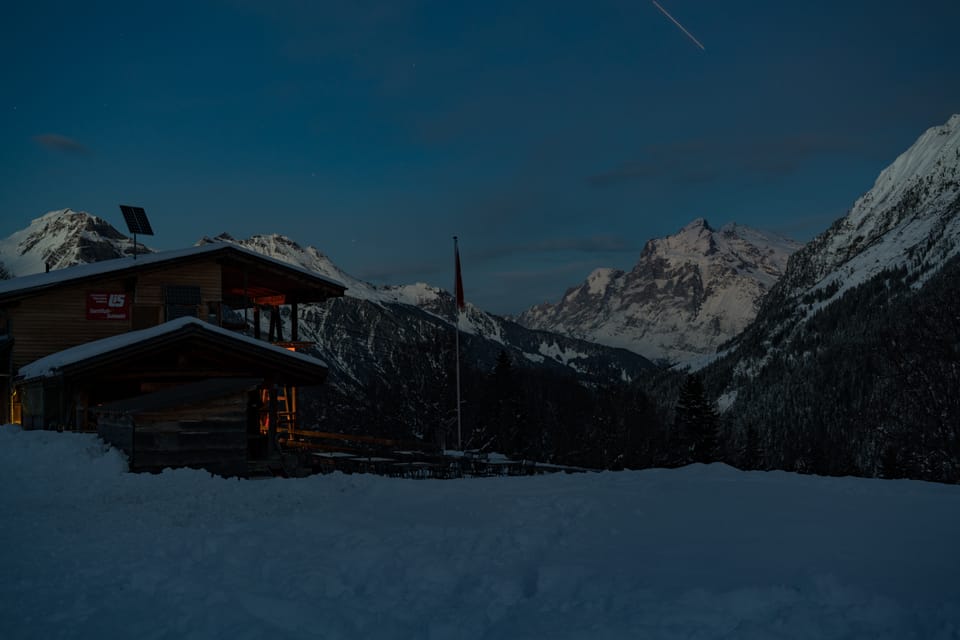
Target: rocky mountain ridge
x=907, y=222
x=688, y=293
x=908, y=218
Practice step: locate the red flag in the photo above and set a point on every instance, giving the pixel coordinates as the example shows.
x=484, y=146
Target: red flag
x=461, y=305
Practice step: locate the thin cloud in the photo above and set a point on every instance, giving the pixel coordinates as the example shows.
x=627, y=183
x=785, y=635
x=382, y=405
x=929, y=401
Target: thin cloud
x=401, y=273
x=574, y=270
x=599, y=244
x=593, y=244
x=514, y=291
x=57, y=142
x=707, y=160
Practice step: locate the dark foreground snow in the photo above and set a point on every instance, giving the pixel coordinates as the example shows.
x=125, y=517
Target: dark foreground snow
x=88, y=551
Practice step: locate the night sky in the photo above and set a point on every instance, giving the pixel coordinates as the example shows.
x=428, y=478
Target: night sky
x=552, y=137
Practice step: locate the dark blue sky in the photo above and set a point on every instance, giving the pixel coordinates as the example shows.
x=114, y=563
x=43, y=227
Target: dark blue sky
x=553, y=137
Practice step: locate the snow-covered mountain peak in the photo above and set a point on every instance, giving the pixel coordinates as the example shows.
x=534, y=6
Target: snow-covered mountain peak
x=687, y=293
x=932, y=159
x=854, y=350
x=907, y=220
x=62, y=238
x=900, y=234
x=694, y=239
x=696, y=225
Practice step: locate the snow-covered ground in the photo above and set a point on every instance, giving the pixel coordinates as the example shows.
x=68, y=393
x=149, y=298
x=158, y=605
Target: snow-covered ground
x=89, y=551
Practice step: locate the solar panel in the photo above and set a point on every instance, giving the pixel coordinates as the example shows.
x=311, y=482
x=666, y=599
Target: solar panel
x=136, y=218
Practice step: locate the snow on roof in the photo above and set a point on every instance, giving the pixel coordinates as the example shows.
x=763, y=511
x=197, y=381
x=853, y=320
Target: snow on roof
x=81, y=271
x=50, y=365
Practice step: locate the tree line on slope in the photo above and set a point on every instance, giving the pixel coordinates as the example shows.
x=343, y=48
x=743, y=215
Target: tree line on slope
x=662, y=420
x=869, y=385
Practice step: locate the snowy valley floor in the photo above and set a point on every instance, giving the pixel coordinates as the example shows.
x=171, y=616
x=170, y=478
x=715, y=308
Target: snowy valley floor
x=89, y=551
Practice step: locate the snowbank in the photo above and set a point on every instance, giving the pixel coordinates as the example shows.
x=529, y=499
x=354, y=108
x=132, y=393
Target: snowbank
x=89, y=551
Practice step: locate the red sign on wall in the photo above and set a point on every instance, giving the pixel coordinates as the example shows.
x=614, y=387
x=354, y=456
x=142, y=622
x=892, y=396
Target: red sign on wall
x=108, y=306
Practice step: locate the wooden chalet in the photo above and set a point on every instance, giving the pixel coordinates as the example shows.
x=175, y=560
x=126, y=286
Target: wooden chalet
x=78, y=339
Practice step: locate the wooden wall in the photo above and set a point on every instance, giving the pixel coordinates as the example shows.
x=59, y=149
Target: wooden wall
x=205, y=275
x=211, y=435
x=56, y=320
x=117, y=430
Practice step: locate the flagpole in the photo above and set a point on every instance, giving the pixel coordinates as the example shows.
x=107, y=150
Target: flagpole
x=458, y=302
x=459, y=442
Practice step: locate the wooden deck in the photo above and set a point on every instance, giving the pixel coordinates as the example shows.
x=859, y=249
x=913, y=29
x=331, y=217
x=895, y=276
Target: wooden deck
x=325, y=452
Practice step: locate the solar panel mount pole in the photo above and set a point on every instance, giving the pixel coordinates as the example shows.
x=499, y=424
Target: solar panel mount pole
x=137, y=222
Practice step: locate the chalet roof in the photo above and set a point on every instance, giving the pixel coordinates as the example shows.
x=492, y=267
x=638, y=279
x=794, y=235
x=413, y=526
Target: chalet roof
x=270, y=274
x=181, y=395
x=124, y=346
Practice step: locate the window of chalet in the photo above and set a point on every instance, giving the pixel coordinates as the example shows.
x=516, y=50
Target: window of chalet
x=181, y=301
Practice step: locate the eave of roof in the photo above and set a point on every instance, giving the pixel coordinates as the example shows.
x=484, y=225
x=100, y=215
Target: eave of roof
x=101, y=351
x=25, y=286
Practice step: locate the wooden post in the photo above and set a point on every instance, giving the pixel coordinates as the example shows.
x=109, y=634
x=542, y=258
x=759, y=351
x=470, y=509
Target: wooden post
x=294, y=323
x=246, y=303
x=256, y=321
x=276, y=324
x=272, y=417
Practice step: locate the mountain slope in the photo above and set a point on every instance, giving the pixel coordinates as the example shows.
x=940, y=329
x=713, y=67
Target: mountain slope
x=688, y=293
x=385, y=318
x=906, y=224
x=391, y=353
x=908, y=219
x=853, y=361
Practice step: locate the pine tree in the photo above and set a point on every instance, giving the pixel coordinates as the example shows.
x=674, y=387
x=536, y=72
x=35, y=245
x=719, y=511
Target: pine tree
x=506, y=428
x=891, y=465
x=750, y=451
x=696, y=423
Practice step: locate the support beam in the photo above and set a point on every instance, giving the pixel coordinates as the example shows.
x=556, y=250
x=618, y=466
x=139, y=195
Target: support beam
x=272, y=417
x=276, y=325
x=269, y=301
x=294, y=323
